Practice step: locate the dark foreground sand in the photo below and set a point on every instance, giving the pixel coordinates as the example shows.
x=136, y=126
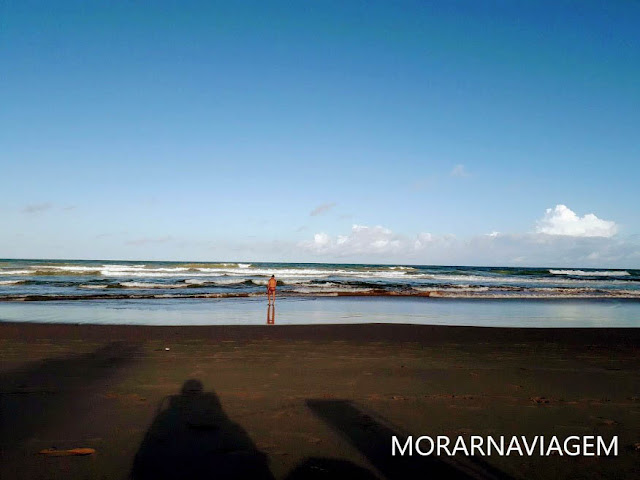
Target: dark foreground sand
x=309, y=401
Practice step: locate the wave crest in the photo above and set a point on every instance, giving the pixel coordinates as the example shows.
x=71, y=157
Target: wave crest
x=595, y=273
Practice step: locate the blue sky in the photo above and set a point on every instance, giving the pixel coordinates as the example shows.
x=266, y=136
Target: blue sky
x=412, y=130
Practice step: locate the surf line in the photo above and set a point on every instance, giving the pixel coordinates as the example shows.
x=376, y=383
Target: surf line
x=572, y=446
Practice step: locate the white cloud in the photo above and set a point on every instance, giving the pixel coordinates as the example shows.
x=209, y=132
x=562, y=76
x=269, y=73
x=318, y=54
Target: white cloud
x=321, y=241
x=377, y=244
x=459, y=171
x=320, y=209
x=361, y=240
x=563, y=221
x=422, y=241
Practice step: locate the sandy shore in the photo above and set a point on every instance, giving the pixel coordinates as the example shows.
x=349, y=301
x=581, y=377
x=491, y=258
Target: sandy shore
x=309, y=401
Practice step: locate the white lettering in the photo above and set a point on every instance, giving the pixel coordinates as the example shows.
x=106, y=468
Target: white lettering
x=476, y=443
x=395, y=443
x=420, y=452
x=514, y=445
x=576, y=450
x=443, y=444
x=529, y=448
x=613, y=445
x=499, y=449
x=554, y=445
x=572, y=446
x=586, y=445
x=460, y=445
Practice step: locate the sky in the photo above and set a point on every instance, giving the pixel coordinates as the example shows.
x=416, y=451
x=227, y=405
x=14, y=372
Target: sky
x=452, y=133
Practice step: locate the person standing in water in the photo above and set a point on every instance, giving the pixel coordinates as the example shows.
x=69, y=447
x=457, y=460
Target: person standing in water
x=271, y=289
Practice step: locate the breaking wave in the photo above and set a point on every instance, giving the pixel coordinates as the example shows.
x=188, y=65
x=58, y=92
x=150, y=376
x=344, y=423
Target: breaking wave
x=145, y=285
x=12, y=282
x=587, y=273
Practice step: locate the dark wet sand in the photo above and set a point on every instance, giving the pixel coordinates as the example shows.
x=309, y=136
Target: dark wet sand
x=309, y=401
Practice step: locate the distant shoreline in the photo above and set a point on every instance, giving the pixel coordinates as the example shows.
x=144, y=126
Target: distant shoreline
x=382, y=294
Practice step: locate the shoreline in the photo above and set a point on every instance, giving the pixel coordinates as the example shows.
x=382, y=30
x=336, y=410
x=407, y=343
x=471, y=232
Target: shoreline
x=374, y=294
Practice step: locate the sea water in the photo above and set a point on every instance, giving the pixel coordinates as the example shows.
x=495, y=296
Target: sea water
x=183, y=293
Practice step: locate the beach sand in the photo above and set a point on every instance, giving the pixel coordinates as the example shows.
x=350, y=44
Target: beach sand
x=309, y=401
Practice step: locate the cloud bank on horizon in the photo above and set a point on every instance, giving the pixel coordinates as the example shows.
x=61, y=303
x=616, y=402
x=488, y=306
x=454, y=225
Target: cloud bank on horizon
x=560, y=237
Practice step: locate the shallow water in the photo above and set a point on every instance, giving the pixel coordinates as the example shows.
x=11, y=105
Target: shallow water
x=298, y=311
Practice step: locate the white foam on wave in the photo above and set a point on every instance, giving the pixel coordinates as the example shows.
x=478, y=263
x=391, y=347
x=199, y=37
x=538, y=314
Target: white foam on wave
x=230, y=281
x=135, y=269
x=327, y=285
x=65, y=268
x=295, y=280
x=586, y=273
x=93, y=287
x=117, y=266
x=459, y=288
x=246, y=269
x=11, y=282
x=516, y=280
x=280, y=272
x=330, y=289
x=15, y=272
x=216, y=281
x=298, y=272
x=145, y=285
x=110, y=273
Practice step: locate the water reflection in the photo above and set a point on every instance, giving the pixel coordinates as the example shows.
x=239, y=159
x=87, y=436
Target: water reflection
x=332, y=310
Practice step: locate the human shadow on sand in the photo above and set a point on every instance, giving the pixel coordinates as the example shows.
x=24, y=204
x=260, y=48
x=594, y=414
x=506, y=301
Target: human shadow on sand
x=55, y=390
x=371, y=436
x=192, y=437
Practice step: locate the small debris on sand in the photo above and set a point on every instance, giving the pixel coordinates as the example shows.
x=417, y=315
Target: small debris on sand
x=540, y=400
x=607, y=421
x=54, y=452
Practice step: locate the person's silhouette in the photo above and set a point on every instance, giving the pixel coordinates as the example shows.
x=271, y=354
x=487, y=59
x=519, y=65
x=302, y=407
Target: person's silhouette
x=192, y=437
x=271, y=290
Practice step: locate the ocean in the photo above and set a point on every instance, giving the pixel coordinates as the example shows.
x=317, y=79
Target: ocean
x=177, y=293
